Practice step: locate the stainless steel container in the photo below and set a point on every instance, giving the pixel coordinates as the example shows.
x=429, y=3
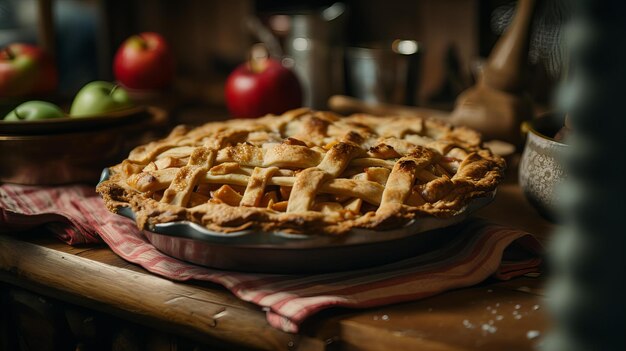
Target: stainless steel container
x=385, y=72
x=312, y=45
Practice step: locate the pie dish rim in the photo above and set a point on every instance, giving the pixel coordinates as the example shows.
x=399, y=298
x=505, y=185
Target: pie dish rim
x=257, y=239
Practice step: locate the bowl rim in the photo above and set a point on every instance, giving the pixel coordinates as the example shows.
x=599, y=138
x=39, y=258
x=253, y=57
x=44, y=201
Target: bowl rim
x=531, y=125
x=68, y=124
x=152, y=115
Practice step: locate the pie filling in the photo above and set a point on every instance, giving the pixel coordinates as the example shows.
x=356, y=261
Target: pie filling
x=304, y=171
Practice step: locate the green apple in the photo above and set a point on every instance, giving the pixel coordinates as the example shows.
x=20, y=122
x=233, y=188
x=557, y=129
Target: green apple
x=97, y=98
x=34, y=110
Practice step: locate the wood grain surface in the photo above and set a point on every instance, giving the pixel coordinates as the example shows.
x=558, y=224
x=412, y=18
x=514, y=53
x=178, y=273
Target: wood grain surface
x=97, y=281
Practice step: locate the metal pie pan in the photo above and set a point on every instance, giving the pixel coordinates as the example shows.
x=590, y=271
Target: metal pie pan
x=278, y=252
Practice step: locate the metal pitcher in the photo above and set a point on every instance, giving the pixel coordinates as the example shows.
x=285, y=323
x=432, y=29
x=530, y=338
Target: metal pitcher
x=312, y=43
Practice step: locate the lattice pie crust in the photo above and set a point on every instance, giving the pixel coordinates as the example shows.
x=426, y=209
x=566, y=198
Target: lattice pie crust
x=304, y=171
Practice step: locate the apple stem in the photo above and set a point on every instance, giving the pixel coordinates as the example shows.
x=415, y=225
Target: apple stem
x=258, y=57
x=113, y=90
x=142, y=41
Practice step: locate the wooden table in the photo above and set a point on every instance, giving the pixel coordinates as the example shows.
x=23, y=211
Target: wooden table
x=493, y=316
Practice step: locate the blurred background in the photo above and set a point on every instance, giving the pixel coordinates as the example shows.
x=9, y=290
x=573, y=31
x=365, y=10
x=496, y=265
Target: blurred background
x=412, y=53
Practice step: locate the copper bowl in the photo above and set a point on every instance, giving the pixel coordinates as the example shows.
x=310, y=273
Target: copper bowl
x=72, y=151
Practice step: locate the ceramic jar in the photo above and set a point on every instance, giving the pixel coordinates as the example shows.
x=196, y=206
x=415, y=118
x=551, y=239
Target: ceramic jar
x=542, y=168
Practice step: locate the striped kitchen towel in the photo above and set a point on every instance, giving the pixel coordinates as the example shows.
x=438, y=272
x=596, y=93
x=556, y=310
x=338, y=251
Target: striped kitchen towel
x=480, y=250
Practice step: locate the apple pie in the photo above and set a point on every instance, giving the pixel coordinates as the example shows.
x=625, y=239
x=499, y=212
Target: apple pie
x=306, y=172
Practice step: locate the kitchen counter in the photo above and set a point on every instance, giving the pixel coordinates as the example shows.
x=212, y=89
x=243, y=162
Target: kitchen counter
x=492, y=316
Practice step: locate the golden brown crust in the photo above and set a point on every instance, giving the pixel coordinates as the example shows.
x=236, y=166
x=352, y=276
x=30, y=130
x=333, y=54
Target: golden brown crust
x=304, y=171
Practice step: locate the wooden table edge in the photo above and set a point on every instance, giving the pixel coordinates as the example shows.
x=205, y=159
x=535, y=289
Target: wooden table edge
x=79, y=280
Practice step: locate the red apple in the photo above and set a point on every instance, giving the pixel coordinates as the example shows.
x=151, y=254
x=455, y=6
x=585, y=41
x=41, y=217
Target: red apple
x=144, y=61
x=261, y=86
x=26, y=70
